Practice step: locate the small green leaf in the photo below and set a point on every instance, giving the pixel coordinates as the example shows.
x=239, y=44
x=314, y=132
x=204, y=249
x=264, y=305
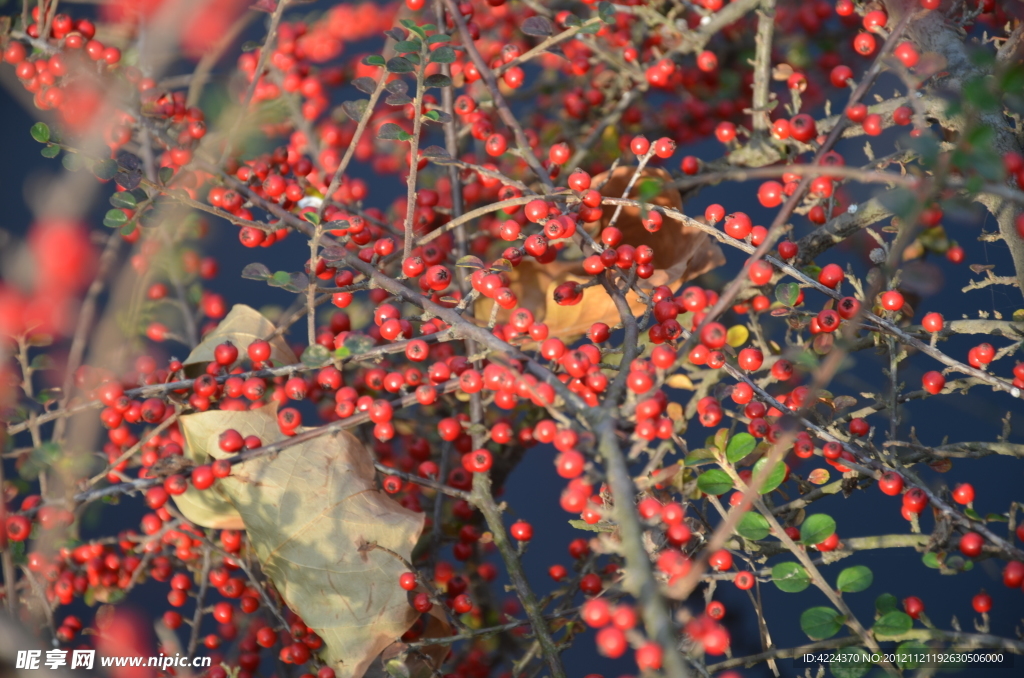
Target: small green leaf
x=437, y=80
x=50, y=151
x=315, y=356
x=256, y=271
x=931, y=560
x=740, y=445
x=753, y=526
x=775, y=476
x=123, y=199
x=854, y=579
x=787, y=293
x=432, y=115
x=128, y=228
x=406, y=46
x=42, y=362
x=537, y=26
x=165, y=175
x=114, y=218
x=355, y=109
x=393, y=132
x=312, y=217
x=400, y=65
x=440, y=37
x=817, y=528
x=442, y=55
x=72, y=162
x=250, y=46
x=790, y=577
x=411, y=25
x=908, y=649
x=374, y=60
x=648, y=189
x=469, y=261
x=571, y=21
x=606, y=11
x=893, y=623
x=855, y=663
x=820, y=623
x=40, y=132
x=714, y=481
x=885, y=603
x=105, y=169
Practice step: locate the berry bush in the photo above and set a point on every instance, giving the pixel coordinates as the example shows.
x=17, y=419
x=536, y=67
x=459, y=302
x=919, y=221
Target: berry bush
x=466, y=229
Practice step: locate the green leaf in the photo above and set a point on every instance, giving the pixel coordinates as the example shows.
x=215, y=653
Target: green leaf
x=256, y=271
x=406, y=46
x=38, y=460
x=442, y=55
x=817, y=528
x=740, y=445
x=165, y=175
x=72, y=162
x=885, y=603
x=857, y=665
x=648, y=189
x=411, y=25
x=437, y=80
x=714, y=481
x=571, y=21
x=787, y=293
x=753, y=526
x=250, y=46
x=400, y=65
x=114, y=218
x=123, y=199
x=105, y=169
x=910, y=647
x=40, y=132
x=128, y=228
x=432, y=115
x=42, y=362
x=820, y=623
x=606, y=11
x=51, y=151
x=312, y=217
x=899, y=201
x=374, y=60
x=775, y=476
x=292, y=282
x=315, y=356
x=440, y=37
x=537, y=26
x=790, y=577
x=931, y=560
x=854, y=579
x=393, y=132
x=355, y=109
x=894, y=623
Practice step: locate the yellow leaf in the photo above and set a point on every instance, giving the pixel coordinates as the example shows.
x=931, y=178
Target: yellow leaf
x=674, y=411
x=680, y=381
x=818, y=476
x=737, y=335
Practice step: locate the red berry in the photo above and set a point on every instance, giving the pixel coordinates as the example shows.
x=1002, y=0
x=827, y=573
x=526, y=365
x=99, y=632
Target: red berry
x=964, y=493
x=981, y=602
x=891, y=484
x=521, y=530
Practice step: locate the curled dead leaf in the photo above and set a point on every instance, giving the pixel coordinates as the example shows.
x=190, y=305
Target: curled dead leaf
x=311, y=514
x=242, y=326
x=681, y=253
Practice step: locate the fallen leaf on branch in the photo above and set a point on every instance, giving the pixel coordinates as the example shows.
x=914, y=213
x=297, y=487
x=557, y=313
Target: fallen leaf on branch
x=242, y=326
x=312, y=513
x=681, y=253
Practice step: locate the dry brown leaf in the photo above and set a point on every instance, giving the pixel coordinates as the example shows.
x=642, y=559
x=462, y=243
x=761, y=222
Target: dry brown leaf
x=242, y=326
x=310, y=513
x=681, y=253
